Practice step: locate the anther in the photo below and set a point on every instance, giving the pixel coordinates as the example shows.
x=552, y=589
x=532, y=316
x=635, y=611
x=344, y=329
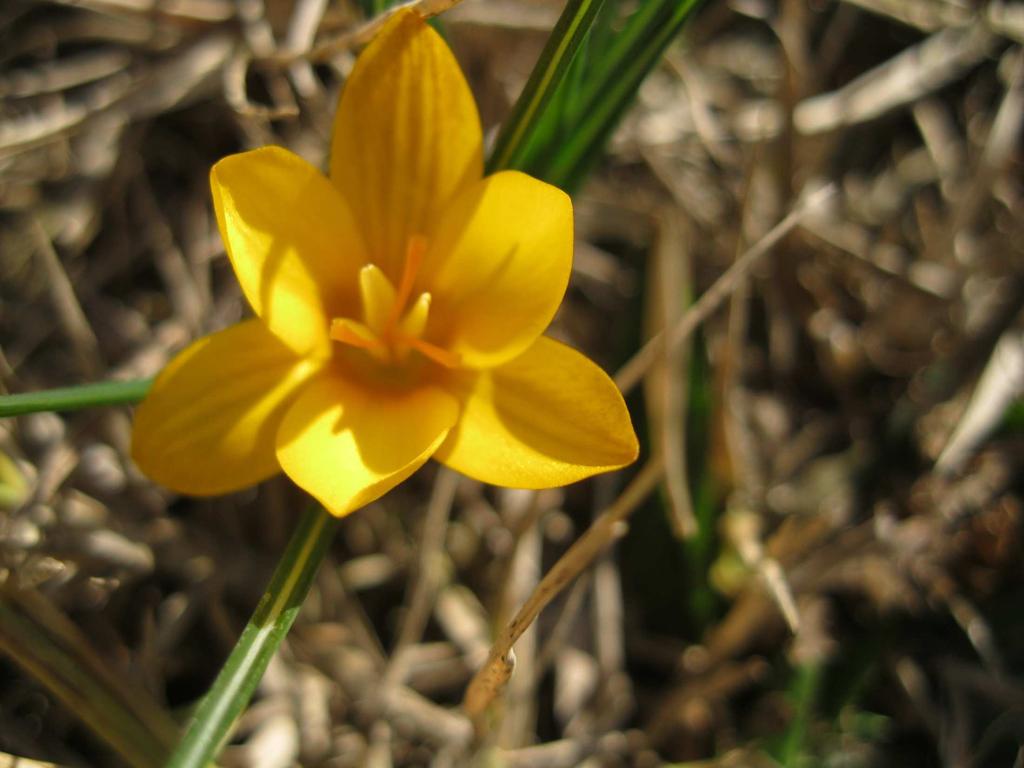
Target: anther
x=378, y=296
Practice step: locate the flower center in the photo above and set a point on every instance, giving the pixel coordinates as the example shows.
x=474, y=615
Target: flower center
x=392, y=325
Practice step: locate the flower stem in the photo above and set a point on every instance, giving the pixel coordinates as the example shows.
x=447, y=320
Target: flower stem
x=260, y=639
x=76, y=398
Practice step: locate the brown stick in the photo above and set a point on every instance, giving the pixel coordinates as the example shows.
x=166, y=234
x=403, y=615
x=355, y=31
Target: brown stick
x=497, y=670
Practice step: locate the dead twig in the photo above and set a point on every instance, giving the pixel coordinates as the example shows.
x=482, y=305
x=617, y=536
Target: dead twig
x=667, y=386
x=65, y=302
x=497, y=670
x=905, y=78
x=353, y=38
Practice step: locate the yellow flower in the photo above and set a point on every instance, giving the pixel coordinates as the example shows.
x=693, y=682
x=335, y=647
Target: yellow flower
x=399, y=310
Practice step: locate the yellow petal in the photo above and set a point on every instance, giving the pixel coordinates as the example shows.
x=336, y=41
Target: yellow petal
x=406, y=137
x=292, y=241
x=209, y=422
x=548, y=418
x=347, y=444
x=498, y=267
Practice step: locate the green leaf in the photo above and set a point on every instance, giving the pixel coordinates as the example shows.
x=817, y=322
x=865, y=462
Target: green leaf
x=562, y=110
x=76, y=398
x=804, y=690
x=510, y=149
x=612, y=89
x=565, y=139
x=260, y=639
x=48, y=646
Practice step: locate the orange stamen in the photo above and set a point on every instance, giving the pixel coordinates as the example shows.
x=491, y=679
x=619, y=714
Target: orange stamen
x=414, y=253
x=435, y=353
x=341, y=332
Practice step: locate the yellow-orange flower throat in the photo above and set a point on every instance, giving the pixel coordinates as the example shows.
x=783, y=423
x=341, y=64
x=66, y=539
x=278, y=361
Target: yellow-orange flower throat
x=390, y=328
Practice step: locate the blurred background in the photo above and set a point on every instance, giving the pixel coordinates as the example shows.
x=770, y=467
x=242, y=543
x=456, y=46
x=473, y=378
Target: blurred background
x=829, y=571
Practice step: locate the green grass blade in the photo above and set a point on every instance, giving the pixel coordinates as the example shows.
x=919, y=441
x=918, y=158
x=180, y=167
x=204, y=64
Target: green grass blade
x=563, y=44
x=260, y=639
x=611, y=93
x=805, y=688
x=619, y=49
x=562, y=110
x=49, y=647
x=76, y=398
x=568, y=98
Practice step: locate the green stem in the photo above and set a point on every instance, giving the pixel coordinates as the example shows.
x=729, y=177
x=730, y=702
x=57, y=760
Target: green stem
x=565, y=40
x=260, y=639
x=76, y=398
x=804, y=689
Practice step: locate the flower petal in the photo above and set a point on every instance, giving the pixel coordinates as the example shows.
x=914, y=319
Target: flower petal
x=347, y=444
x=406, y=137
x=548, y=418
x=498, y=267
x=292, y=241
x=208, y=424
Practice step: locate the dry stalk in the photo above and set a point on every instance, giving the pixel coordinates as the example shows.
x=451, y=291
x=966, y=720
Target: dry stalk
x=69, y=311
x=362, y=34
x=911, y=75
x=666, y=385
x=497, y=670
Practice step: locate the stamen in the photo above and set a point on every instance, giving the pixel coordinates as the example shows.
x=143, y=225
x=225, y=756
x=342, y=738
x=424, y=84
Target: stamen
x=414, y=254
x=388, y=331
x=435, y=353
x=356, y=334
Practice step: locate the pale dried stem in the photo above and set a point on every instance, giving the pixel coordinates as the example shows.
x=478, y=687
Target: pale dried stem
x=301, y=35
x=907, y=77
x=169, y=259
x=10, y=761
x=1000, y=384
x=741, y=443
x=362, y=34
x=746, y=536
x=668, y=386
x=69, y=311
x=497, y=670
x=519, y=715
x=208, y=11
x=999, y=147
x=974, y=625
